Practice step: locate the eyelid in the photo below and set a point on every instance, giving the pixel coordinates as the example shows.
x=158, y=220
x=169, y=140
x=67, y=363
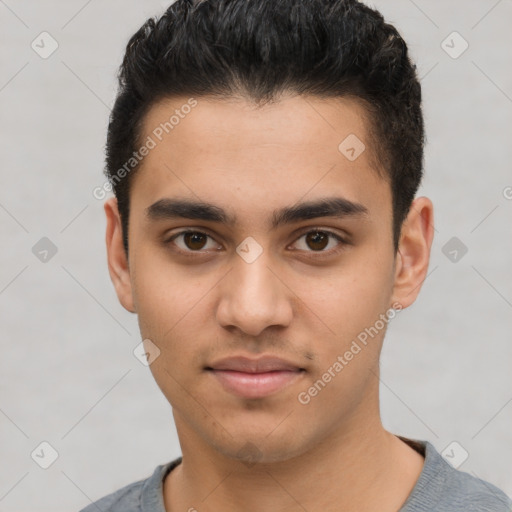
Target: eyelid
x=202, y=231
x=343, y=241
x=342, y=237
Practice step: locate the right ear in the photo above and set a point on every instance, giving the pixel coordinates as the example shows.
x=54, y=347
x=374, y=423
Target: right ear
x=117, y=260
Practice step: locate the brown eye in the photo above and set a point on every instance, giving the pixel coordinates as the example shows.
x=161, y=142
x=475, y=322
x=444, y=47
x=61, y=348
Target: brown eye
x=320, y=241
x=194, y=241
x=317, y=240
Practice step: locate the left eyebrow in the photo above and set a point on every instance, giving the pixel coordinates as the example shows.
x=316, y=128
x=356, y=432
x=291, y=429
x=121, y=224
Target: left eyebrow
x=338, y=207
x=329, y=207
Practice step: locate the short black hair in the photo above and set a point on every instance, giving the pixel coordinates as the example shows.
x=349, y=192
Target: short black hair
x=259, y=49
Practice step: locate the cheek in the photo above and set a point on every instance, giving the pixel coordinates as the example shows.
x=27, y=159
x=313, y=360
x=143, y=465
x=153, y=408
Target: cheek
x=170, y=314
x=347, y=356
x=164, y=293
x=349, y=299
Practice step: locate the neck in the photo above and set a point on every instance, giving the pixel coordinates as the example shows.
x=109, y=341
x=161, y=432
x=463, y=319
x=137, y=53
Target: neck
x=363, y=469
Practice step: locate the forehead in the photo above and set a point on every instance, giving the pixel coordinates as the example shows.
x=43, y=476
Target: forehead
x=231, y=149
x=297, y=122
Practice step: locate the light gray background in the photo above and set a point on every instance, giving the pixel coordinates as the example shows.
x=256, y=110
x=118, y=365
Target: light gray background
x=68, y=375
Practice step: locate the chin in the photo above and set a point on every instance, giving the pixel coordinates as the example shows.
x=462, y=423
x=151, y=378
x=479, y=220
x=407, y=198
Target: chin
x=255, y=448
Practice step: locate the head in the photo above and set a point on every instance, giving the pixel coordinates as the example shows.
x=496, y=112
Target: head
x=265, y=157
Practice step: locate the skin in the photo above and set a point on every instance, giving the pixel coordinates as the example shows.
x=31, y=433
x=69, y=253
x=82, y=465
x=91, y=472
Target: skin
x=294, y=301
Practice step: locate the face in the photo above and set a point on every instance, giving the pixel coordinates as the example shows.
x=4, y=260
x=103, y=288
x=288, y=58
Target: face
x=261, y=266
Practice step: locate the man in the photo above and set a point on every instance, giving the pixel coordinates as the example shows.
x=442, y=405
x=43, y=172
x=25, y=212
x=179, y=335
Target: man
x=265, y=157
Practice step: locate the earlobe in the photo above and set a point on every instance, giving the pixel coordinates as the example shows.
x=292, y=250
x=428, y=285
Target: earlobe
x=117, y=260
x=414, y=252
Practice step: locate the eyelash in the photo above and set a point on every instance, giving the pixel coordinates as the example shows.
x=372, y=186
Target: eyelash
x=190, y=253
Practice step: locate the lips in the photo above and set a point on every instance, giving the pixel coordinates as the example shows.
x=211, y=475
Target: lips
x=254, y=378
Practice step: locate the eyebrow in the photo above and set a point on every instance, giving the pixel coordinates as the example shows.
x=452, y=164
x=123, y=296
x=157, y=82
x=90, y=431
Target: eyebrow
x=189, y=209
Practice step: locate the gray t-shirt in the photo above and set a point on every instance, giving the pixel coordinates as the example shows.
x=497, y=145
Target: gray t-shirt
x=440, y=488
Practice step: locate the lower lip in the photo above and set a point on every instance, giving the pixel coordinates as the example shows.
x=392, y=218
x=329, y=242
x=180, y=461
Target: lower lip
x=255, y=385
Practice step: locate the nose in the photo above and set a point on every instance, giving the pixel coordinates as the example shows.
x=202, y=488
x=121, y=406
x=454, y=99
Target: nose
x=254, y=297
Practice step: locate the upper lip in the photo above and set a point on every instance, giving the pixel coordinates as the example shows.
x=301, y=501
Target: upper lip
x=262, y=364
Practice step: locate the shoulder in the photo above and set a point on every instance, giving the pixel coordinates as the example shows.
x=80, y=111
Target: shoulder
x=443, y=488
x=126, y=499
x=145, y=494
x=467, y=492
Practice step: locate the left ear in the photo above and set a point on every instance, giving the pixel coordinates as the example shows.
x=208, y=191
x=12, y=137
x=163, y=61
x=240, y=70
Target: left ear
x=413, y=254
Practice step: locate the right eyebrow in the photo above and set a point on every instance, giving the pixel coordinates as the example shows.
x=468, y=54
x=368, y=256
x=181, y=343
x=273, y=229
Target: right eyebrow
x=188, y=209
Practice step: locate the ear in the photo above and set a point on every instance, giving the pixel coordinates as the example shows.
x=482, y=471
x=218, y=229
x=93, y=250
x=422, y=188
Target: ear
x=117, y=260
x=413, y=254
